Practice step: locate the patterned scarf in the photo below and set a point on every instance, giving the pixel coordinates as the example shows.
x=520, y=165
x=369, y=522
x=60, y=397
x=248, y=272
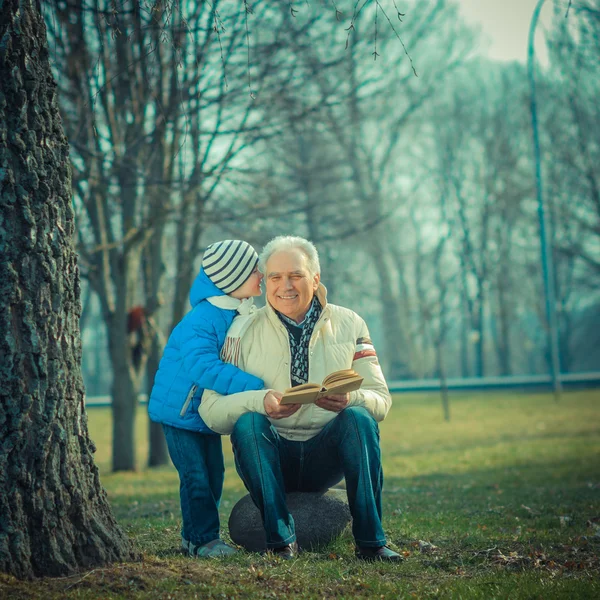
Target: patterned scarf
x=230, y=352
x=300, y=335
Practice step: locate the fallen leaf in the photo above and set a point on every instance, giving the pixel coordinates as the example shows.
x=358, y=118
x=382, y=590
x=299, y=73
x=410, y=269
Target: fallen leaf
x=530, y=510
x=426, y=546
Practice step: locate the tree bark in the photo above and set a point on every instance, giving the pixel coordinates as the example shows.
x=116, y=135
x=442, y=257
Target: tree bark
x=124, y=392
x=154, y=270
x=441, y=369
x=395, y=343
x=479, y=327
x=54, y=514
x=504, y=322
x=158, y=453
x=465, y=318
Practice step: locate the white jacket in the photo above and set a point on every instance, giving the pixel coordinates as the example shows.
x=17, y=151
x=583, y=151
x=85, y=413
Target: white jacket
x=340, y=340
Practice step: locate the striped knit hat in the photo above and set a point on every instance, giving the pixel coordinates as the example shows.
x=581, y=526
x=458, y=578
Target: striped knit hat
x=229, y=263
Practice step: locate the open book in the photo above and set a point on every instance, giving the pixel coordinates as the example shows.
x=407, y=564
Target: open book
x=338, y=382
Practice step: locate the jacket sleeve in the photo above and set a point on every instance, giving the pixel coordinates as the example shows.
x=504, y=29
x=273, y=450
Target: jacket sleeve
x=201, y=359
x=374, y=394
x=221, y=413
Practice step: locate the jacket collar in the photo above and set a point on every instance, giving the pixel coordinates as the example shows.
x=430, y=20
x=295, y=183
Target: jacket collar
x=244, y=307
x=321, y=295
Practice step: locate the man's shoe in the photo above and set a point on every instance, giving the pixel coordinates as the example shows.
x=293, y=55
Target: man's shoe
x=382, y=553
x=213, y=549
x=288, y=552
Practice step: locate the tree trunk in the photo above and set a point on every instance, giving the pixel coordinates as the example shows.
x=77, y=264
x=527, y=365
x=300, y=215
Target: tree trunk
x=465, y=329
x=158, y=454
x=128, y=352
x=154, y=269
x=54, y=514
x=100, y=362
x=395, y=344
x=124, y=405
x=478, y=326
x=565, y=332
x=124, y=394
x=503, y=333
x=441, y=369
x=183, y=284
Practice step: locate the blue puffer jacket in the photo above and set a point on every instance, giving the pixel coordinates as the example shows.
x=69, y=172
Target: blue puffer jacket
x=191, y=362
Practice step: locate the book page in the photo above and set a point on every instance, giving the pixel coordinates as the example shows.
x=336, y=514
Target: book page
x=301, y=394
x=303, y=397
x=343, y=386
x=338, y=375
x=313, y=387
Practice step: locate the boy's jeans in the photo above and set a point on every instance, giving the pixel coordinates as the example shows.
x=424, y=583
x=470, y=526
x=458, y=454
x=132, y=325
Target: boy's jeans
x=198, y=459
x=347, y=447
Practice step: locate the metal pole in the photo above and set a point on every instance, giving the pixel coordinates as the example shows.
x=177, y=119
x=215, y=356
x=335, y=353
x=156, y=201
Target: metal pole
x=546, y=250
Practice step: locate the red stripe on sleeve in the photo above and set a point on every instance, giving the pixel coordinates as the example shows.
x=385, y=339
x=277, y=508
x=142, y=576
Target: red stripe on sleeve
x=364, y=354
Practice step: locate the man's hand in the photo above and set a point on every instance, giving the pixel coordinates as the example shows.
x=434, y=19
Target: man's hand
x=335, y=402
x=276, y=410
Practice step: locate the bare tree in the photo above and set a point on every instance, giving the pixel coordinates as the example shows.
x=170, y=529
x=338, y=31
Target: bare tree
x=155, y=99
x=487, y=166
x=370, y=140
x=432, y=292
x=55, y=514
x=570, y=114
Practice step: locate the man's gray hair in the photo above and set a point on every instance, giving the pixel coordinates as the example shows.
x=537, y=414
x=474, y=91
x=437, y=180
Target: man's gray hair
x=291, y=242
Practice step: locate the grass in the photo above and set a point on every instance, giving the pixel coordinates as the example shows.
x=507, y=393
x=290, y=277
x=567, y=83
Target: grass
x=502, y=502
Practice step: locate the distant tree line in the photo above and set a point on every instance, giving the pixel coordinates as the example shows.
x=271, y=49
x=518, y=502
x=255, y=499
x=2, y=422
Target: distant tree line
x=413, y=174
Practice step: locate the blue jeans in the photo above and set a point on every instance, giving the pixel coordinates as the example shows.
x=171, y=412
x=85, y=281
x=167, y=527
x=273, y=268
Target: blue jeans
x=198, y=458
x=347, y=447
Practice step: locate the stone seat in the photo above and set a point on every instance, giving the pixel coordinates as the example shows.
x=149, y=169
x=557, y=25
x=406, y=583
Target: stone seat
x=320, y=517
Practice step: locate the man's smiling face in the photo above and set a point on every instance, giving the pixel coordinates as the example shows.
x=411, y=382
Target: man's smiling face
x=290, y=286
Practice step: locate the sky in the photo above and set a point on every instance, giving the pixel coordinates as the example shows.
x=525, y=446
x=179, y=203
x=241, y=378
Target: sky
x=505, y=26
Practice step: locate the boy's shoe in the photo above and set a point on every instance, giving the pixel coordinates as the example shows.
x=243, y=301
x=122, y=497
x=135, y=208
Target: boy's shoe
x=382, y=553
x=214, y=549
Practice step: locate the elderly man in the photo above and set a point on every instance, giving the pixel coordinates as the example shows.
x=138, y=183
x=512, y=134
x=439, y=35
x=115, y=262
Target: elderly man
x=298, y=338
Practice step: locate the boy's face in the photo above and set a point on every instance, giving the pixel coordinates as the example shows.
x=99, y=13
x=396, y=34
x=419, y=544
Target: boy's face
x=250, y=287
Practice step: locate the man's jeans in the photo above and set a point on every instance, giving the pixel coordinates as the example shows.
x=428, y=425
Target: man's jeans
x=198, y=459
x=347, y=447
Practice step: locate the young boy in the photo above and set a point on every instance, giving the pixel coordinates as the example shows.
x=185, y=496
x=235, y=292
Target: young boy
x=191, y=362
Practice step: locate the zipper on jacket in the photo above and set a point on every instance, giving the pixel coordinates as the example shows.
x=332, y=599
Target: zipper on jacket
x=188, y=400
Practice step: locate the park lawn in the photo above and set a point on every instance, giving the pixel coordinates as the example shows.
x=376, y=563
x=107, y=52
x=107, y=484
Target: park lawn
x=501, y=502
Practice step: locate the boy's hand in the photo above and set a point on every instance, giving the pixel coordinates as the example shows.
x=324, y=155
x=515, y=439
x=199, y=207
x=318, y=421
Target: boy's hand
x=276, y=410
